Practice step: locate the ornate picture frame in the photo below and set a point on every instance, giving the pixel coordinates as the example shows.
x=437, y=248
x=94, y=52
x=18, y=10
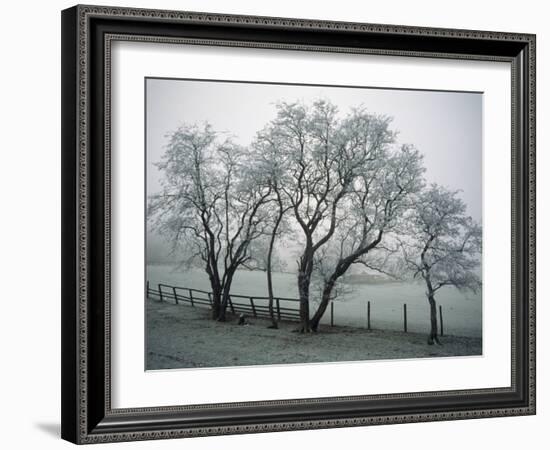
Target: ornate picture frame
x=88, y=33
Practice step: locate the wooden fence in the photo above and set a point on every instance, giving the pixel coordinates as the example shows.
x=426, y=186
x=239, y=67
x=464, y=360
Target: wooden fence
x=238, y=304
x=284, y=308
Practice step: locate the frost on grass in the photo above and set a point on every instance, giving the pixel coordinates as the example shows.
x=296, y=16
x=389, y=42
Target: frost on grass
x=181, y=336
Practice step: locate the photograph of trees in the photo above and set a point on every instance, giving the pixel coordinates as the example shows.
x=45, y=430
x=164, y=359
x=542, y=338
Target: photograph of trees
x=298, y=224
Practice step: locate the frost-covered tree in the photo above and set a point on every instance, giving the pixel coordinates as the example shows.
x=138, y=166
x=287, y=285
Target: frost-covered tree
x=209, y=206
x=328, y=166
x=381, y=194
x=324, y=155
x=443, y=246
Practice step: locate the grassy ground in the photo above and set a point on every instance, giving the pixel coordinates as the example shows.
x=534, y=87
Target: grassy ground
x=181, y=336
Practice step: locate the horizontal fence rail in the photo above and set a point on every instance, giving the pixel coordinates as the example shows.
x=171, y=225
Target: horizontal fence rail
x=253, y=306
x=284, y=308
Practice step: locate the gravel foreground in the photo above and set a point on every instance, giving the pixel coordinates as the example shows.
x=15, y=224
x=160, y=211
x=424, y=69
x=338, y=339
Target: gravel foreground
x=179, y=336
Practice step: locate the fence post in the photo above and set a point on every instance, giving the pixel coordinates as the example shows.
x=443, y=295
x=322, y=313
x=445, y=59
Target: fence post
x=278, y=310
x=331, y=314
x=231, y=304
x=441, y=320
x=405, y=317
x=210, y=297
x=147, y=291
x=175, y=294
x=160, y=292
x=368, y=315
x=191, y=297
x=253, y=307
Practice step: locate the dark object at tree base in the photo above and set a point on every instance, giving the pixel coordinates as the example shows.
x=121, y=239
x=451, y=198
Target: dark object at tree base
x=434, y=340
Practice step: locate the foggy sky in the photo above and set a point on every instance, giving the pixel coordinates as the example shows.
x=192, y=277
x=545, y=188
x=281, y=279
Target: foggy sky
x=446, y=127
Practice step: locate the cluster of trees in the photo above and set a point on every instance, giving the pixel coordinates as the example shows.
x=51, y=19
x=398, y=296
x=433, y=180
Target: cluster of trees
x=341, y=185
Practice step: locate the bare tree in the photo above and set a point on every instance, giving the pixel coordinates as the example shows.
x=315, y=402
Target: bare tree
x=443, y=246
x=324, y=155
x=208, y=207
x=381, y=194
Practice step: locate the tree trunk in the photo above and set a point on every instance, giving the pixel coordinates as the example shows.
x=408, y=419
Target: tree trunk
x=216, y=304
x=430, y=293
x=325, y=300
x=216, y=297
x=226, y=291
x=270, y=291
x=303, y=289
x=268, y=268
x=215, y=284
x=223, y=305
x=305, y=268
x=432, y=338
x=341, y=268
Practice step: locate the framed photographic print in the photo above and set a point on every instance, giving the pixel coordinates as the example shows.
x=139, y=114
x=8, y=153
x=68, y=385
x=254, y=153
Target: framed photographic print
x=278, y=224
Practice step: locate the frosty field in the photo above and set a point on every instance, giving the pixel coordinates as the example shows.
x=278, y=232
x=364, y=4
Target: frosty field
x=181, y=336
x=462, y=313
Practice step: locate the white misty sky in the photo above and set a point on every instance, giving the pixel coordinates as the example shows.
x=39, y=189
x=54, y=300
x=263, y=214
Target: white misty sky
x=445, y=126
